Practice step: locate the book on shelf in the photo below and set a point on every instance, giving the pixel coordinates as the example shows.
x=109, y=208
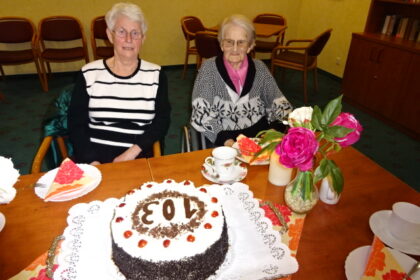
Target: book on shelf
x=402, y=27
x=386, y=23
x=414, y=30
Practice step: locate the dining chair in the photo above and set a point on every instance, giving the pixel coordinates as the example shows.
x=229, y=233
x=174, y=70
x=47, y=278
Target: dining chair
x=303, y=58
x=267, y=46
x=207, y=45
x=66, y=32
x=190, y=26
x=101, y=46
x=192, y=140
x=18, y=41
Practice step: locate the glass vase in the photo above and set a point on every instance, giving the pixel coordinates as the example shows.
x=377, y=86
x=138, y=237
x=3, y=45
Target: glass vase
x=278, y=174
x=301, y=195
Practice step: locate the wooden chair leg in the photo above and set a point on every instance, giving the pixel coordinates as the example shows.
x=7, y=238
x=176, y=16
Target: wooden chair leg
x=2, y=72
x=316, y=80
x=44, y=75
x=185, y=65
x=305, y=89
x=44, y=86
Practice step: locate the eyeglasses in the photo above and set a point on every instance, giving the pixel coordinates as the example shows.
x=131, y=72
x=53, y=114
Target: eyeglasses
x=240, y=44
x=122, y=33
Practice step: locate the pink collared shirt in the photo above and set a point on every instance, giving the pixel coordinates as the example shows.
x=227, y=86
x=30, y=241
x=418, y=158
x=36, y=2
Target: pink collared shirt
x=237, y=76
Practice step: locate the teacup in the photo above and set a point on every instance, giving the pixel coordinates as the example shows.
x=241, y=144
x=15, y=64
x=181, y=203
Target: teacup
x=224, y=162
x=404, y=223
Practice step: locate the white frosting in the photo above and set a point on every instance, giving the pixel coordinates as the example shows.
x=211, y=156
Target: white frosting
x=179, y=246
x=8, y=177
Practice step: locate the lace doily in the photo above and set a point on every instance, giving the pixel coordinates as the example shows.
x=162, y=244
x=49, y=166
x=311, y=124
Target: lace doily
x=256, y=250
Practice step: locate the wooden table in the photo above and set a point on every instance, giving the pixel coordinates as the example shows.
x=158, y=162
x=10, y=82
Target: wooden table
x=32, y=224
x=329, y=234
x=261, y=29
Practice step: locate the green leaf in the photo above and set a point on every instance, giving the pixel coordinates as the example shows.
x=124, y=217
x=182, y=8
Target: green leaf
x=322, y=170
x=268, y=136
x=337, y=131
x=316, y=117
x=331, y=111
x=337, y=180
x=270, y=148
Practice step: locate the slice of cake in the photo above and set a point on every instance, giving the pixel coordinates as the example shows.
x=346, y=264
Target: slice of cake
x=169, y=230
x=248, y=147
x=69, y=180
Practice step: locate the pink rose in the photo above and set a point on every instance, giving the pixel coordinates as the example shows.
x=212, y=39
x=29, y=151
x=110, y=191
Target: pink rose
x=297, y=148
x=349, y=121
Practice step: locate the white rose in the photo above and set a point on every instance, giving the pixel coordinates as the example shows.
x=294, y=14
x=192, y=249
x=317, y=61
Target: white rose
x=300, y=115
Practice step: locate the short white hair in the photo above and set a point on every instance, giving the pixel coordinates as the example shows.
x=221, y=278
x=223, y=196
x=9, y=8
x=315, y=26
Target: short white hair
x=132, y=11
x=241, y=21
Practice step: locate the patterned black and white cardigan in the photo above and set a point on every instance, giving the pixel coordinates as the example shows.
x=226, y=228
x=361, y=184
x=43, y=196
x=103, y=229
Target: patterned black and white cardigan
x=217, y=107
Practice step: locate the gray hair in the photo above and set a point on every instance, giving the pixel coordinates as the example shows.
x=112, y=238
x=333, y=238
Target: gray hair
x=132, y=11
x=241, y=21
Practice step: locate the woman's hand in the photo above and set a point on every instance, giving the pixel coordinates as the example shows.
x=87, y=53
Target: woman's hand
x=130, y=154
x=229, y=142
x=95, y=162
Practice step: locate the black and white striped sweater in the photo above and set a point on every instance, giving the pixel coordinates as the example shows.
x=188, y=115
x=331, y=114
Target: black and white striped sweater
x=117, y=112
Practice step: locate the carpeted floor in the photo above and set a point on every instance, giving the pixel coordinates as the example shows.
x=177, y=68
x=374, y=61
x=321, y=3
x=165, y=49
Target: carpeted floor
x=25, y=106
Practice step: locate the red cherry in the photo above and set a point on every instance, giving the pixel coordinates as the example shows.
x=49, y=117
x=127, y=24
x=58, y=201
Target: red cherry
x=121, y=205
x=169, y=181
x=214, y=200
x=190, y=238
x=214, y=214
x=149, y=185
x=207, y=226
x=119, y=219
x=186, y=183
x=203, y=190
x=166, y=243
x=203, y=168
x=142, y=243
x=130, y=192
x=128, y=234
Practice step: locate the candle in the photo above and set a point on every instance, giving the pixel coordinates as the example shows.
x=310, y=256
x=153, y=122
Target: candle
x=278, y=174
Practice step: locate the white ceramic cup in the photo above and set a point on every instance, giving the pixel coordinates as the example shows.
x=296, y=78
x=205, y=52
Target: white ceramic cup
x=224, y=162
x=404, y=223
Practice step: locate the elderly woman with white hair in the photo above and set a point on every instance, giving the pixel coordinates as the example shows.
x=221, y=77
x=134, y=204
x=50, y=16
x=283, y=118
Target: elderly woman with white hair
x=234, y=94
x=120, y=105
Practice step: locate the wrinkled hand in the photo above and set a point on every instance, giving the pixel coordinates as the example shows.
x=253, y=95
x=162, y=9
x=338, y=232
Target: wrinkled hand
x=229, y=142
x=95, y=162
x=129, y=154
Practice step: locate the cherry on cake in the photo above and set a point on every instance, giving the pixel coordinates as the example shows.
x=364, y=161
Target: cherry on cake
x=169, y=230
x=69, y=180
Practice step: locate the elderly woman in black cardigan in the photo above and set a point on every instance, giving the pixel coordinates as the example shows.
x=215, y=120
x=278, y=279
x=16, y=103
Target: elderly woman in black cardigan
x=233, y=93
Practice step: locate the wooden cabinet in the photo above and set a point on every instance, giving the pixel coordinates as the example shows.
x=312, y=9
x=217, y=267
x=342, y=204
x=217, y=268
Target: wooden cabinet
x=382, y=74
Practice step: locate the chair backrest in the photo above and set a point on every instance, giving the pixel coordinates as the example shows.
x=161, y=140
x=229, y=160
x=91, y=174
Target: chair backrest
x=207, y=44
x=270, y=19
x=16, y=30
x=191, y=25
x=315, y=48
x=98, y=32
x=60, y=28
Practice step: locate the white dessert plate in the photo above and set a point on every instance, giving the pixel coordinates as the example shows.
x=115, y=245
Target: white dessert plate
x=239, y=173
x=356, y=262
x=2, y=221
x=42, y=185
x=255, y=162
x=379, y=224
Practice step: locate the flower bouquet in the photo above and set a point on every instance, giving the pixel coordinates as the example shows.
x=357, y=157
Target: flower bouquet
x=313, y=135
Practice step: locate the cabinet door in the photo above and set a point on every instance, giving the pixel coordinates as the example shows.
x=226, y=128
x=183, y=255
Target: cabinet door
x=359, y=71
x=408, y=107
x=387, y=80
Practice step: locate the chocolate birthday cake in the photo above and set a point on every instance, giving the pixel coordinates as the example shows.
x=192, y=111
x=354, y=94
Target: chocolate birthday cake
x=169, y=230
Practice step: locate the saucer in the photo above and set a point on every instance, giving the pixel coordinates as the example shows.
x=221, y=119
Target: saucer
x=356, y=262
x=378, y=222
x=2, y=221
x=210, y=174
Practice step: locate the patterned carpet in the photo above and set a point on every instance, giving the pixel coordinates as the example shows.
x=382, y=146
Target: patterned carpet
x=25, y=106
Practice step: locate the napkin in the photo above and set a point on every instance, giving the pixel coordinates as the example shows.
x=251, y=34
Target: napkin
x=8, y=177
x=381, y=263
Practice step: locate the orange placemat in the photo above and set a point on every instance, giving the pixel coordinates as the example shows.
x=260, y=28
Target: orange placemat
x=275, y=212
